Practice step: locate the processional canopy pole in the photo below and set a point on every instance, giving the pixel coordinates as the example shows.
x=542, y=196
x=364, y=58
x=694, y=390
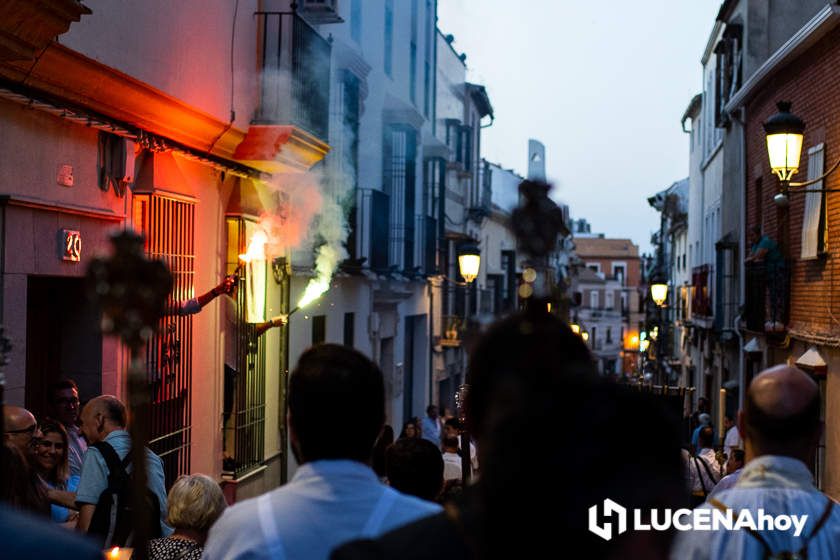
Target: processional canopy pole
x=131, y=290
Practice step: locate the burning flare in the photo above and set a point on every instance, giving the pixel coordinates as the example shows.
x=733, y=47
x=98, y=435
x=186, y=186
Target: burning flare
x=256, y=248
x=326, y=262
x=254, y=262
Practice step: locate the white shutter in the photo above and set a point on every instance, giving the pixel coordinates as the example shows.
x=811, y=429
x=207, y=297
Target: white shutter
x=813, y=204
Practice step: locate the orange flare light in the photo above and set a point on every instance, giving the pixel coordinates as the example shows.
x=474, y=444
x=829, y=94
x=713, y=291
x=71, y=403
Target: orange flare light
x=256, y=248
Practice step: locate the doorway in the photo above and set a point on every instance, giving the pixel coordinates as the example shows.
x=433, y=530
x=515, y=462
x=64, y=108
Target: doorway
x=63, y=339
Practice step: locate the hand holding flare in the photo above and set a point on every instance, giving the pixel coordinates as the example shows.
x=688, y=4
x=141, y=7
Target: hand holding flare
x=276, y=321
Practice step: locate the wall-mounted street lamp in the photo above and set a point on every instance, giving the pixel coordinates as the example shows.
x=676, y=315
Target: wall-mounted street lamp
x=785, y=132
x=469, y=261
x=575, y=328
x=659, y=292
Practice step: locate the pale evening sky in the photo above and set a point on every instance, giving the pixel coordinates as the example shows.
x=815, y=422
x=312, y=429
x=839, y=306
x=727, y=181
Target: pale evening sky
x=602, y=84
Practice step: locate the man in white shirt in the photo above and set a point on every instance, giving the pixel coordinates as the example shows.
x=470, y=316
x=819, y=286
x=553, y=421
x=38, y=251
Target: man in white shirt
x=451, y=459
x=703, y=468
x=452, y=428
x=781, y=427
x=334, y=496
x=732, y=440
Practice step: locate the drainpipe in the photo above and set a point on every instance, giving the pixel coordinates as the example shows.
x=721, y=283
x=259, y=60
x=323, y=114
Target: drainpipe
x=431, y=288
x=742, y=247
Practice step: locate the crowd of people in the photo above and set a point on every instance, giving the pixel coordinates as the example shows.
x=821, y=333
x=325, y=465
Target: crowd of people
x=552, y=438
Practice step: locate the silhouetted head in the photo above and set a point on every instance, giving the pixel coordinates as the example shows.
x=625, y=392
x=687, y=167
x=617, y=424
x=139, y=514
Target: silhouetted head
x=706, y=437
x=781, y=415
x=542, y=414
x=415, y=467
x=64, y=401
x=335, y=385
x=526, y=350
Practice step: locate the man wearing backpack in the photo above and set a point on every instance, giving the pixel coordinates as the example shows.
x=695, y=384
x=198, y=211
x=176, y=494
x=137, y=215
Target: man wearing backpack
x=781, y=428
x=105, y=467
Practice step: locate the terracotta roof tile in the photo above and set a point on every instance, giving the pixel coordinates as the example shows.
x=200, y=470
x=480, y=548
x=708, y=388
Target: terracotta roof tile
x=600, y=247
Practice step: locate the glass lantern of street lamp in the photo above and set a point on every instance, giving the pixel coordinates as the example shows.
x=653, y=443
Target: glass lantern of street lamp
x=585, y=336
x=469, y=260
x=575, y=328
x=659, y=292
x=784, y=132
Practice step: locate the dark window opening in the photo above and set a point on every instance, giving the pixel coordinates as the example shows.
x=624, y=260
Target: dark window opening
x=319, y=329
x=349, y=329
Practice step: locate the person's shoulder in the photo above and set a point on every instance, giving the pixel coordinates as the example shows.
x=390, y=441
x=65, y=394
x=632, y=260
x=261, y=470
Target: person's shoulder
x=410, y=508
x=430, y=537
x=231, y=537
x=245, y=512
x=415, y=503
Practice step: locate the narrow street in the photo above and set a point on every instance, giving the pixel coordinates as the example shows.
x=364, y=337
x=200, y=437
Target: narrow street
x=391, y=278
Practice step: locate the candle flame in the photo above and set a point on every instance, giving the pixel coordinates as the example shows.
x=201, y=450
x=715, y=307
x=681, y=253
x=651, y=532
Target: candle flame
x=256, y=248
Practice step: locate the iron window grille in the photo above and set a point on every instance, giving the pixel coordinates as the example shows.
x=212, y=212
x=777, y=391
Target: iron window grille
x=169, y=226
x=244, y=402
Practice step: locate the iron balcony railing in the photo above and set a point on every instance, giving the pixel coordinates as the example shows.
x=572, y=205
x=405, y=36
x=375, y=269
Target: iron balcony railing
x=295, y=63
x=767, y=297
x=372, y=228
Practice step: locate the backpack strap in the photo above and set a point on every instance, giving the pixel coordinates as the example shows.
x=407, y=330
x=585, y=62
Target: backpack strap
x=697, y=461
x=822, y=520
x=708, y=469
x=115, y=465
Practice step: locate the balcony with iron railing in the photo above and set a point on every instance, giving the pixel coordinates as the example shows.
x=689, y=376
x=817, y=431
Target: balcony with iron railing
x=767, y=297
x=290, y=128
x=295, y=64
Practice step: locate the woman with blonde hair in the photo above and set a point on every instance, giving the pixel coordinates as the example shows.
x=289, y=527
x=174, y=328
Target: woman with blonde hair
x=195, y=502
x=52, y=464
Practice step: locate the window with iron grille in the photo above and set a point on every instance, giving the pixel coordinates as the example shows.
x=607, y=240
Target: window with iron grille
x=169, y=226
x=244, y=399
x=399, y=179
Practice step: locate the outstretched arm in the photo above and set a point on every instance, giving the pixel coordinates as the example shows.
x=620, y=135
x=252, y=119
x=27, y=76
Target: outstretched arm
x=193, y=306
x=273, y=322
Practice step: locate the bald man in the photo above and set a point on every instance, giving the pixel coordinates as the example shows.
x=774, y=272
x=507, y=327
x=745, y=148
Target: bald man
x=104, y=422
x=781, y=428
x=21, y=428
